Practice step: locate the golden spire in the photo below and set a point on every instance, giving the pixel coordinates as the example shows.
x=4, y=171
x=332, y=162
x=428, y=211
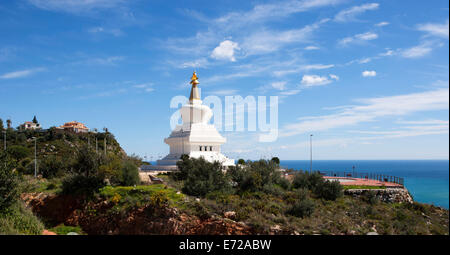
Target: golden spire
x=194, y=90
x=194, y=79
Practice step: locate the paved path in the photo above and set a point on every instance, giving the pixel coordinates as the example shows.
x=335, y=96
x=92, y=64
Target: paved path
x=360, y=181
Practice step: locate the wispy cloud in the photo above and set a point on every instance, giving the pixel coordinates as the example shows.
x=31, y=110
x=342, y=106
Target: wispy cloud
x=267, y=41
x=316, y=80
x=372, y=109
x=358, y=38
x=101, y=30
x=265, y=12
x=105, y=61
x=417, y=51
x=382, y=24
x=21, y=73
x=435, y=29
x=75, y=6
x=351, y=13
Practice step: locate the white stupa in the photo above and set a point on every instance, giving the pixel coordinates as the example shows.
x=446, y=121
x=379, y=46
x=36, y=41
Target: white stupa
x=195, y=137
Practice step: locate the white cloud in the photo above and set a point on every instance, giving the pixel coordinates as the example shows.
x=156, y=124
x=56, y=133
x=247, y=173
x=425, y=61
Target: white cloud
x=351, y=13
x=311, y=47
x=290, y=92
x=145, y=87
x=417, y=51
x=280, y=85
x=369, y=73
x=21, y=73
x=314, y=80
x=279, y=73
x=382, y=24
x=201, y=62
x=224, y=92
x=433, y=29
x=264, y=12
x=358, y=38
x=266, y=41
x=366, y=36
x=225, y=50
x=335, y=77
x=75, y=6
x=103, y=61
x=372, y=109
x=98, y=30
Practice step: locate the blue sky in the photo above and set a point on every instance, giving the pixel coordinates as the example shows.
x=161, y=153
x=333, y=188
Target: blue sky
x=368, y=78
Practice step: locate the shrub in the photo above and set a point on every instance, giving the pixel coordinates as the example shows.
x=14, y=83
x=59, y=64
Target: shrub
x=130, y=174
x=82, y=185
x=276, y=160
x=18, y=219
x=302, y=208
x=329, y=190
x=256, y=175
x=53, y=166
x=87, y=161
x=9, y=183
x=307, y=180
x=18, y=152
x=202, y=177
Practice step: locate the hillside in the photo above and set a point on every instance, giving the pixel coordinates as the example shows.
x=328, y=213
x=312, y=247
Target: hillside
x=250, y=200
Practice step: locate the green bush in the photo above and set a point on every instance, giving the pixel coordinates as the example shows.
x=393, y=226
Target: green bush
x=18, y=152
x=329, y=190
x=202, y=177
x=130, y=174
x=241, y=162
x=307, y=180
x=18, y=219
x=256, y=175
x=302, y=208
x=81, y=185
x=53, y=166
x=9, y=183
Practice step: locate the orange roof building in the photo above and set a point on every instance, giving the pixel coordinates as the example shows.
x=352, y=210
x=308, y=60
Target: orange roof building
x=74, y=126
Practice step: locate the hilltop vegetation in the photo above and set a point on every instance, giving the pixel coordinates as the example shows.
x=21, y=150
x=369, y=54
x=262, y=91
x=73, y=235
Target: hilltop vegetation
x=89, y=191
x=67, y=163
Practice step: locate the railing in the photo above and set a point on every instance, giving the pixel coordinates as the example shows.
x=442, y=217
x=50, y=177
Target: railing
x=367, y=176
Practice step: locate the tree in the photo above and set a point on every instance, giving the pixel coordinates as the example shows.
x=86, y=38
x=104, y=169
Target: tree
x=202, y=177
x=8, y=122
x=276, y=160
x=87, y=161
x=9, y=183
x=1, y=124
x=35, y=120
x=130, y=174
x=18, y=152
x=241, y=161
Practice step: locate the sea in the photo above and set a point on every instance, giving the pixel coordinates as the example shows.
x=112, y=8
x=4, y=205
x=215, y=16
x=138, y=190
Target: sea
x=426, y=180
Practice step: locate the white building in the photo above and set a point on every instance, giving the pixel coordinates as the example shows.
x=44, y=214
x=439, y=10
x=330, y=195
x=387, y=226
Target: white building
x=30, y=125
x=195, y=137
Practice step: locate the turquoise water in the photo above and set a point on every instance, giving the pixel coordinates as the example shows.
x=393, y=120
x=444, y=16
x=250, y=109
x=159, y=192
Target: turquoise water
x=426, y=180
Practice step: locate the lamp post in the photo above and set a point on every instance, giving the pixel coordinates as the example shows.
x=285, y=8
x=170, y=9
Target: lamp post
x=310, y=146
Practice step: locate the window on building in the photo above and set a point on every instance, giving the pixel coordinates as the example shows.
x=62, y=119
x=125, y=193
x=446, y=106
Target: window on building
x=210, y=148
x=200, y=148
